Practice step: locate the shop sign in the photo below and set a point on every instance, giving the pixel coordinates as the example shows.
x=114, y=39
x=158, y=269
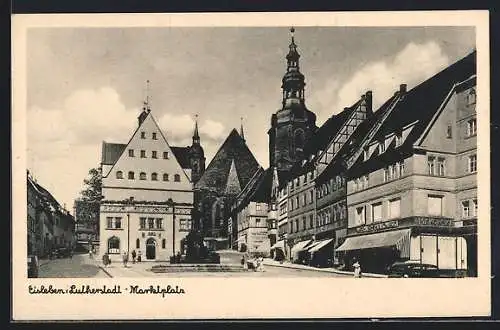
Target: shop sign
x=377, y=226
x=433, y=222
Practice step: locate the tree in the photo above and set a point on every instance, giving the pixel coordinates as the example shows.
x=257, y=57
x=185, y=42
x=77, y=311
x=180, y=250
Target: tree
x=88, y=205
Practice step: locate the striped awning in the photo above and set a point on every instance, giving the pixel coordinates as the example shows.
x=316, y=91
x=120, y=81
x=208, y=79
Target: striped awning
x=300, y=246
x=279, y=245
x=398, y=238
x=320, y=244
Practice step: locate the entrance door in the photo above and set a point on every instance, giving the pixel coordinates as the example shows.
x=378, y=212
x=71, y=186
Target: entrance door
x=429, y=250
x=151, y=249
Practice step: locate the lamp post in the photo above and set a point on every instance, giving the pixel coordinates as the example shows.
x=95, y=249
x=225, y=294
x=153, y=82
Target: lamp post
x=171, y=203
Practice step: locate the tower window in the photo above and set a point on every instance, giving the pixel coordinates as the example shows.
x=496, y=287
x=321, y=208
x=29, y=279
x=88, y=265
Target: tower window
x=131, y=175
x=154, y=176
x=472, y=163
x=142, y=176
x=131, y=152
x=165, y=155
x=165, y=176
x=154, y=154
x=177, y=178
x=119, y=175
x=154, y=136
x=143, y=135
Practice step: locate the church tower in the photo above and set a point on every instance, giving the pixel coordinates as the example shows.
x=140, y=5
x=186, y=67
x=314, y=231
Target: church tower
x=293, y=124
x=196, y=155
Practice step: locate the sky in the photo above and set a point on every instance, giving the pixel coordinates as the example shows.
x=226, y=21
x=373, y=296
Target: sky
x=87, y=85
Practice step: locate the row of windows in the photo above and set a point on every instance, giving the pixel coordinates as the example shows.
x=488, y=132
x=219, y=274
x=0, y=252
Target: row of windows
x=361, y=183
x=152, y=223
x=376, y=212
x=148, y=223
x=143, y=176
x=436, y=166
x=154, y=135
x=301, y=180
x=330, y=186
x=154, y=154
x=294, y=224
x=307, y=198
x=327, y=216
x=394, y=171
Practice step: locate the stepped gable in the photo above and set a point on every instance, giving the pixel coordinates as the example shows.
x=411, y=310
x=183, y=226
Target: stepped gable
x=419, y=105
x=354, y=142
x=182, y=155
x=111, y=152
x=233, y=150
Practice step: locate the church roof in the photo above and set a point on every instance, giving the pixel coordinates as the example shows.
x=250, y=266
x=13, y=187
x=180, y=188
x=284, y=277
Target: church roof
x=182, y=155
x=233, y=153
x=111, y=152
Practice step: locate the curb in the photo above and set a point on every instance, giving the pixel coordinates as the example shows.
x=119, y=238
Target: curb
x=105, y=271
x=327, y=270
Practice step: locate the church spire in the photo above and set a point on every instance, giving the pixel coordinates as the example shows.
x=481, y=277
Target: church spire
x=242, y=134
x=293, y=81
x=196, y=136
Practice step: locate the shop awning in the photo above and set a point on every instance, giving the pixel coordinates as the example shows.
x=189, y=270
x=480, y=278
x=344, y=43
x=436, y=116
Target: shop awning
x=300, y=246
x=320, y=244
x=279, y=245
x=398, y=238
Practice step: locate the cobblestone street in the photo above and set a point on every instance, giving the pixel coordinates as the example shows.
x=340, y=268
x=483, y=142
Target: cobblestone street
x=77, y=267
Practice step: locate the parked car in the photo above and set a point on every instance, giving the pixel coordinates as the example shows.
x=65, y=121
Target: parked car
x=417, y=269
x=412, y=269
x=63, y=252
x=33, y=266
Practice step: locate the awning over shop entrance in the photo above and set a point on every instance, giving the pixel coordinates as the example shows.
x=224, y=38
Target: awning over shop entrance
x=320, y=244
x=397, y=238
x=299, y=246
x=279, y=245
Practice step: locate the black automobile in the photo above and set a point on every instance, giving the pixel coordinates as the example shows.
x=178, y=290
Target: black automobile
x=64, y=252
x=413, y=269
x=33, y=266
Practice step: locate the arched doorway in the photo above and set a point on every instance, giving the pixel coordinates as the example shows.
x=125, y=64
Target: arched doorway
x=151, y=249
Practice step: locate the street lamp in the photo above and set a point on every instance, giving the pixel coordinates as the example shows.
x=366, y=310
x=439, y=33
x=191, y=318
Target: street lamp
x=171, y=203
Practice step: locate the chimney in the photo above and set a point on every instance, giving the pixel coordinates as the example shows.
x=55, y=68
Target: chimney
x=369, y=101
x=402, y=88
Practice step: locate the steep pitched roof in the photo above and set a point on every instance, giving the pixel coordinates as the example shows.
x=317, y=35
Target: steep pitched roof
x=262, y=190
x=233, y=186
x=354, y=142
x=216, y=174
x=182, y=155
x=111, y=152
x=418, y=106
x=322, y=138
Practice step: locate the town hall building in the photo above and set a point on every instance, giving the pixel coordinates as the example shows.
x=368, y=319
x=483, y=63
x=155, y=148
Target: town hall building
x=147, y=188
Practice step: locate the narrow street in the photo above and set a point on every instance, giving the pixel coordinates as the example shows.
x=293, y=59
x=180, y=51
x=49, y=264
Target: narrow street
x=76, y=267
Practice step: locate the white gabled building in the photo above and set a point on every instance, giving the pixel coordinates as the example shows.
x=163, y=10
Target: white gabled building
x=140, y=180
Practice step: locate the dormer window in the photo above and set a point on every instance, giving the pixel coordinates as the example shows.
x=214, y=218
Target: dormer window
x=131, y=175
x=165, y=155
x=131, y=152
x=119, y=175
x=381, y=147
x=142, y=176
x=471, y=97
x=398, y=139
x=154, y=136
x=165, y=177
x=154, y=176
x=177, y=178
x=143, y=135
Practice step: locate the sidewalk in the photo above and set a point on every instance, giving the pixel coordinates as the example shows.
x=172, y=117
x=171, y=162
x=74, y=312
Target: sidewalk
x=287, y=264
x=139, y=269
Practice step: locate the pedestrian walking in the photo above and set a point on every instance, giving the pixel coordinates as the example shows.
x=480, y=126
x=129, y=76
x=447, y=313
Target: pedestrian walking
x=139, y=256
x=105, y=259
x=261, y=264
x=133, y=256
x=125, y=258
x=91, y=255
x=357, y=268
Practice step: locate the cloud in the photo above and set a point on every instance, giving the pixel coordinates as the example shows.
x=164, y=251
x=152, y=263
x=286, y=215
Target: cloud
x=65, y=142
x=412, y=65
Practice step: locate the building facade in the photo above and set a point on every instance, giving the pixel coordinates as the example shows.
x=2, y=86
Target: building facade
x=226, y=176
x=50, y=226
x=147, y=192
x=412, y=187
